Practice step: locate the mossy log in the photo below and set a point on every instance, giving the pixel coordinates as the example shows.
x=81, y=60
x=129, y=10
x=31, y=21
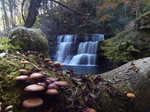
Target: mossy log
x=104, y=93
x=133, y=77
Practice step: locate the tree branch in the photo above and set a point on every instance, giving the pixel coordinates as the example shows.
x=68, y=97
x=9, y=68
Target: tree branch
x=71, y=9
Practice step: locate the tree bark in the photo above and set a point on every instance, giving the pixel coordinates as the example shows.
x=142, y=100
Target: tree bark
x=133, y=76
x=33, y=12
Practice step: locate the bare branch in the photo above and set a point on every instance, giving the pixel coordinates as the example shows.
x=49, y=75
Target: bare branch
x=71, y=9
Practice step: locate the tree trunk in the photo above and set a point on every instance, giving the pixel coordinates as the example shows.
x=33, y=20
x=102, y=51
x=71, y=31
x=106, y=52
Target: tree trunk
x=137, y=2
x=133, y=77
x=5, y=14
x=11, y=12
x=33, y=12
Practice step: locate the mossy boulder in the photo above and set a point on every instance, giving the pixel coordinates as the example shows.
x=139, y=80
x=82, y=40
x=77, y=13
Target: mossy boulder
x=143, y=22
x=29, y=39
x=131, y=44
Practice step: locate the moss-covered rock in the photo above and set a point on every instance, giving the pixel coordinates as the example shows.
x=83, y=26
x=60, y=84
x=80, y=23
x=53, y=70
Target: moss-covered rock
x=143, y=22
x=29, y=39
x=131, y=44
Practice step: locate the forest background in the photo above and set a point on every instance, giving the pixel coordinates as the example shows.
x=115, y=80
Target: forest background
x=56, y=17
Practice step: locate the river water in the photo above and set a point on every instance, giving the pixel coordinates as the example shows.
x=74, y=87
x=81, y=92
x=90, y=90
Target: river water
x=82, y=70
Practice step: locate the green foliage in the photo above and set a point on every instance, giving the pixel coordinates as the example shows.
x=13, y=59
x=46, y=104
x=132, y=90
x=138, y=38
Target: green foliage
x=122, y=48
x=5, y=45
x=129, y=44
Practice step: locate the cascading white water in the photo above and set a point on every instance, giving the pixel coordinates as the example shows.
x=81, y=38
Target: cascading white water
x=86, y=53
x=64, y=47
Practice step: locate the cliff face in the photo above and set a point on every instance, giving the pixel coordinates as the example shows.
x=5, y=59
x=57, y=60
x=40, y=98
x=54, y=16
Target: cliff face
x=133, y=43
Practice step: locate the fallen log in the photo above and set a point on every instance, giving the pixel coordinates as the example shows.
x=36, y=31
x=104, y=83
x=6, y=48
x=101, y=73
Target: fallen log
x=133, y=77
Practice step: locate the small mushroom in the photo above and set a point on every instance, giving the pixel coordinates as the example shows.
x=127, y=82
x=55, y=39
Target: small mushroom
x=56, y=64
x=34, y=87
x=22, y=77
x=42, y=84
x=52, y=86
x=47, y=59
x=23, y=71
x=35, y=75
x=47, y=81
x=61, y=65
x=24, y=62
x=50, y=62
x=89, y=110
x=52, y=91
x=130, y=95
x=32, y=102
x=61, y=83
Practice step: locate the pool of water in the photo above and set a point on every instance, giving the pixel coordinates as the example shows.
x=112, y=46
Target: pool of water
x=81, y=70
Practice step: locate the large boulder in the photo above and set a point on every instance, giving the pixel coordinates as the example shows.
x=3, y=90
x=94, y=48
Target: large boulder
x=29, y=39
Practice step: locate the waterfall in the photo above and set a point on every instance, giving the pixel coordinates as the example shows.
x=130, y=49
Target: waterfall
x=86, y=52
x=64, y=47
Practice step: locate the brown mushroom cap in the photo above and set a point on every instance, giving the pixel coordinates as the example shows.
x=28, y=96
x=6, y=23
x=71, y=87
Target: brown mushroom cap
x=52, y=91
x=50, y=62
x=61, y=65
x=24, y=62
x=47, y=59
x=61, y=83
x=34, y=87
x=89, y=110
x=32, y=102
x=22, y=77
x=47, y=81
x=23, y=71
x=35, y=75
x=56, y=63
x=52, y=86
x=42, y=84
x=130, y=95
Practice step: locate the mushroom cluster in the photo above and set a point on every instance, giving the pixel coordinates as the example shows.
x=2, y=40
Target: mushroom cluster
x=36, y=81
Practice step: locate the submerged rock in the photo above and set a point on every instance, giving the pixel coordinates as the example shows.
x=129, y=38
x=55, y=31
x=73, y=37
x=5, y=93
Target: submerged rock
x=29, y=39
